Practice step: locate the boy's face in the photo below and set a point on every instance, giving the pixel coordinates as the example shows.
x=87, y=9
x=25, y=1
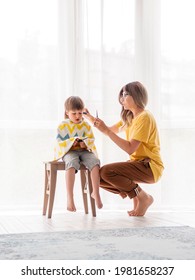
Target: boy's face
x=75, y=116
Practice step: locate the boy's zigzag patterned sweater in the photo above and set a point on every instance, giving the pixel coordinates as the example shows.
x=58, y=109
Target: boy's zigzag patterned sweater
x=67, y=132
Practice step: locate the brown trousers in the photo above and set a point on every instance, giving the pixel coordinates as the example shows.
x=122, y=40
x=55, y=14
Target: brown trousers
x=123, y=177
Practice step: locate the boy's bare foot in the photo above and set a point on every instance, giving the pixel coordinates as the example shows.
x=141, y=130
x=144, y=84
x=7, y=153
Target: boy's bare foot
x=71, y=209
x=70, y=206
x=98, y=201
x=144, y=202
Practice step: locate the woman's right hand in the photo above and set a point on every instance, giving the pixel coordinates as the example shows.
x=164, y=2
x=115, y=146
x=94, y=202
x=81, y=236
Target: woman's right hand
x=100, y=124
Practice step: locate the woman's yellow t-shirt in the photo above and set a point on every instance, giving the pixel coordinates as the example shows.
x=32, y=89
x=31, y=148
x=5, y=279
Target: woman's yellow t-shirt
x=144, y=129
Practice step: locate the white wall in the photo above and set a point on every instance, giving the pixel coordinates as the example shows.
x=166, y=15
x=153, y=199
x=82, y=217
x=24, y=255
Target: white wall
x=42, y=62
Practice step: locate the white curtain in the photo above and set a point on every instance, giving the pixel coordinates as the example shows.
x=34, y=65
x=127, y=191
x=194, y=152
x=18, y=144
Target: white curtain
x=52, y=49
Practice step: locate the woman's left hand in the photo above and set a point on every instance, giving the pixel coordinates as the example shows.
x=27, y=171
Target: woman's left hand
x=99, y=124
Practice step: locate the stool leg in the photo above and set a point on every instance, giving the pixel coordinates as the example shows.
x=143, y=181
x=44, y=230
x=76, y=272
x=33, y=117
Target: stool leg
x=83, y=184
x=46, y=189
x=93, y=208
x=53, y=176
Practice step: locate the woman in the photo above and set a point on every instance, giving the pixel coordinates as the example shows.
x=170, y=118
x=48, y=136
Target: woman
x=142, y=145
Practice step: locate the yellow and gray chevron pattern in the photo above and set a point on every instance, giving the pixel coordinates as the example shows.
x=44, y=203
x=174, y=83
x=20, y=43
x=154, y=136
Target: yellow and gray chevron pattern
x=67, y=132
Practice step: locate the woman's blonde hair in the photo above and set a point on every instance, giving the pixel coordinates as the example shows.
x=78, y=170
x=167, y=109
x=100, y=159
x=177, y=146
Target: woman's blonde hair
x=140, y=97
x=73, y=103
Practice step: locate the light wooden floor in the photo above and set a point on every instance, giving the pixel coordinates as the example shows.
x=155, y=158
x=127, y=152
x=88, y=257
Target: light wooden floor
x=66, y=221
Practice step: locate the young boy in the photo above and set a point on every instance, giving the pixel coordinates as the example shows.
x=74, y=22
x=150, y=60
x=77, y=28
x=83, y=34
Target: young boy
x=75, y=145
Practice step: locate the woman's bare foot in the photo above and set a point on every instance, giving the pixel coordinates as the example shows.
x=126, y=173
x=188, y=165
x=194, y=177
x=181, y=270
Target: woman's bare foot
x=135, y=203
x=144, y=201
x=98, y=201
x=70, y=205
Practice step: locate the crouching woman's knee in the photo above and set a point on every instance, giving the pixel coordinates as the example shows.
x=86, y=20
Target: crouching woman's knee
x=105, y=171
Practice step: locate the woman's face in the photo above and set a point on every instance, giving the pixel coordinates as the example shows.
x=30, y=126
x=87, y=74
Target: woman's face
x=127, y=101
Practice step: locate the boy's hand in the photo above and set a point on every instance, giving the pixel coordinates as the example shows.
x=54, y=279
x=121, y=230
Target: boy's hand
x=76, y=143
x=82, y=145
x=79, y=143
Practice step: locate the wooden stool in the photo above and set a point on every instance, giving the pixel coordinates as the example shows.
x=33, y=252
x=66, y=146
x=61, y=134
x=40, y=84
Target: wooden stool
x=51, y=169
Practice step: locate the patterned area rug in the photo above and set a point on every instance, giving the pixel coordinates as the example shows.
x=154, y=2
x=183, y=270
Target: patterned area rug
x=149, y=243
